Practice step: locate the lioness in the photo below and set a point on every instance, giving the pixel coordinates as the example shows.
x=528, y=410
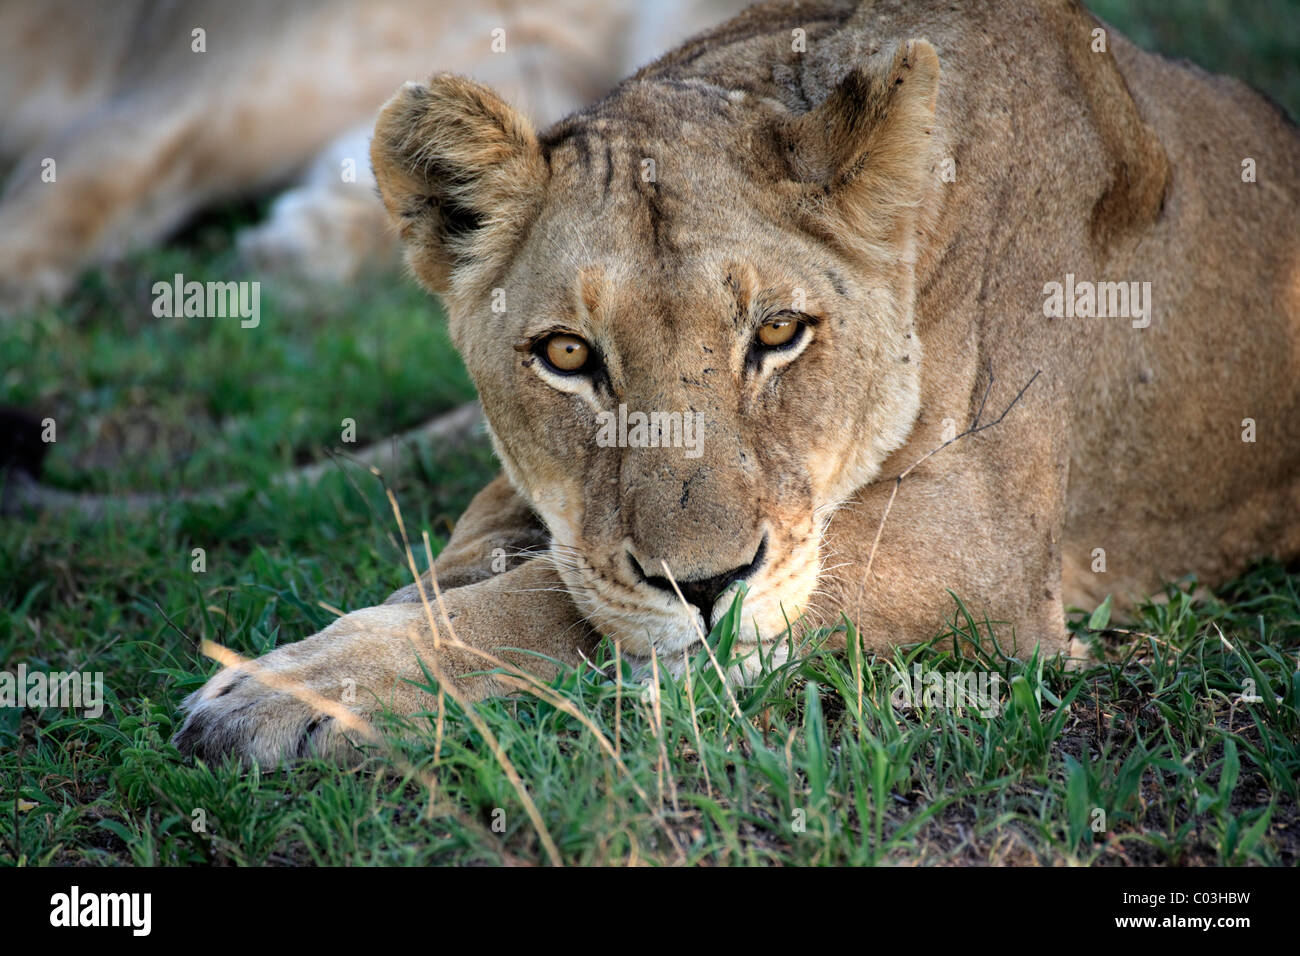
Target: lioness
x=835, y=257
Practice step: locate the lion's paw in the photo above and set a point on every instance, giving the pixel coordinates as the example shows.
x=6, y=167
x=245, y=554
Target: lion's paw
x=307, y=699
x=239, y=714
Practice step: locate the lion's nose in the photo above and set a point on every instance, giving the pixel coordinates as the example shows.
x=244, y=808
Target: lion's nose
x=703, y=592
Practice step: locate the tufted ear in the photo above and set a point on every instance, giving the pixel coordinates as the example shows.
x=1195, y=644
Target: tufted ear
x=461, y=175
x=866, y=148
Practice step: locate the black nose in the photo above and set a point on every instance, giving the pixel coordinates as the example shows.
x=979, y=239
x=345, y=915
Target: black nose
x=703, y=592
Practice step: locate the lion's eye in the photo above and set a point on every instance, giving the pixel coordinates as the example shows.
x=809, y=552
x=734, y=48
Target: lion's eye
x=779, y=332
x=565, y=353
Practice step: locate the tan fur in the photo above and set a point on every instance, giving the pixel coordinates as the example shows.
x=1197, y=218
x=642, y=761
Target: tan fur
x=814, y=177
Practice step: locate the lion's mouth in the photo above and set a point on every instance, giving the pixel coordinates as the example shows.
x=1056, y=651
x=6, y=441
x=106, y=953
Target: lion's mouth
x=702, y=593
x=620, y=596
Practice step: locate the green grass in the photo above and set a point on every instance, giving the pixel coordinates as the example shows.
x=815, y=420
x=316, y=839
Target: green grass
x=1258, y=42
x=812, y=771
x=172, y=403
x=1155, y=758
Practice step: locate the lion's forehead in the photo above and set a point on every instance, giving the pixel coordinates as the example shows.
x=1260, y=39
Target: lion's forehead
x=715, y=270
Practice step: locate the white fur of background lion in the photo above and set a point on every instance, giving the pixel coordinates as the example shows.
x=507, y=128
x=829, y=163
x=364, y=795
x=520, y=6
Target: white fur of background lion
x=145, y=132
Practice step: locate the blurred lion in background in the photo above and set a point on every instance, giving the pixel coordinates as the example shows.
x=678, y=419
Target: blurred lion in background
x=119, y=122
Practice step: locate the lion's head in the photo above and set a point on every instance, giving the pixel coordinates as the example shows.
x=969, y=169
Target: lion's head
x=735, y=268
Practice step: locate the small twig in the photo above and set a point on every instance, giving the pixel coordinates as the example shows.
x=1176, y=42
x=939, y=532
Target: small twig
x=705, y=641
x=471, y=714
x=618, y=701
x=974, y=429
x=695, y=723
x=185, y=637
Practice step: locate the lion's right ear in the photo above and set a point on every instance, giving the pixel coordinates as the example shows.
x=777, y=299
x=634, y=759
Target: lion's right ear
x=866, y=150
x=462, y=176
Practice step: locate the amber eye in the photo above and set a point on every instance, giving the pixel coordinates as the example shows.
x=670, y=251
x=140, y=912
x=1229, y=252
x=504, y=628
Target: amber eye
x=566, y=353
x=778, y=332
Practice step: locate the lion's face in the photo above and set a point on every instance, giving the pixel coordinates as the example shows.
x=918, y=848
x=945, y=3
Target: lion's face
x=682, y=372
x=750, y=353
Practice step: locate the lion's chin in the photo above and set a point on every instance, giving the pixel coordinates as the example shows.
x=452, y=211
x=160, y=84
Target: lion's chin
x=652, y=633
x=657, y=637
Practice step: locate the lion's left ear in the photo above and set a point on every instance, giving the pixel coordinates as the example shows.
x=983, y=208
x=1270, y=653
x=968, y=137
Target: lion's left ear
x=461, y=174
x=867, y=145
